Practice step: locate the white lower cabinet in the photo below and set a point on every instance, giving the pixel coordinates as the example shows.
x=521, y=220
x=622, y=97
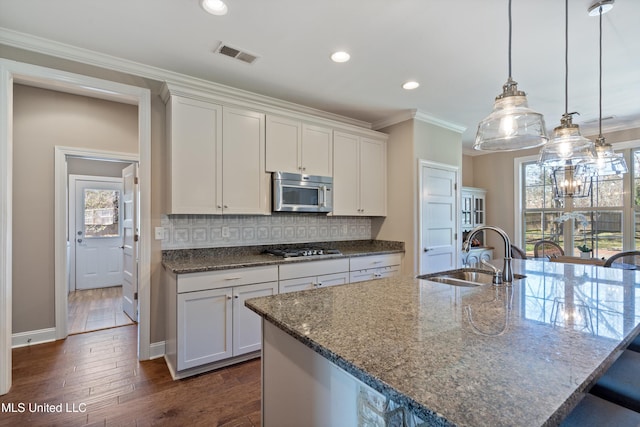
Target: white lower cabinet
x=301, y=276
x=204, y=327
x=208, y=325
x=374, y=267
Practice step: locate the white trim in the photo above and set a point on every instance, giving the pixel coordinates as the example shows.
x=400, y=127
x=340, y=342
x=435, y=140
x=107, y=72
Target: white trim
x=6, y=179
x=458, y=189
x=10, y=72
x=23, y=339
x=516, y=239
x=418, y=115
x=156, y=350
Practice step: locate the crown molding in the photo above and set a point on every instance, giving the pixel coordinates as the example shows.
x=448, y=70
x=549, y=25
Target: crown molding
x=242, y=97
x=417, y=115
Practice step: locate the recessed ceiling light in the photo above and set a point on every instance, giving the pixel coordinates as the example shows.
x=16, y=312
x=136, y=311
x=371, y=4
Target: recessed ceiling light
x=410, y=85
x=214, y=7
x=340, y=56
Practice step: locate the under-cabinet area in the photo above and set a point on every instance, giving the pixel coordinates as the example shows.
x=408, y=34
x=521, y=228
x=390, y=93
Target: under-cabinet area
x=207, y=323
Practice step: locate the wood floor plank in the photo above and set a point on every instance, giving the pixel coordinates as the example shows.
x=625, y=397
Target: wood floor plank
x=100, y=373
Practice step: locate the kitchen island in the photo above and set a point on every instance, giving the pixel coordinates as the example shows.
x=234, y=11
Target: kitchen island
x=450, y=355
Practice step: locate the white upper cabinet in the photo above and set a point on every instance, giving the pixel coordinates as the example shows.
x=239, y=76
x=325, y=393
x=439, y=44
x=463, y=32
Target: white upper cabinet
x=296, y=147
x=216, y=159
x=194, y=129
x=245, y=184
x=359, y=175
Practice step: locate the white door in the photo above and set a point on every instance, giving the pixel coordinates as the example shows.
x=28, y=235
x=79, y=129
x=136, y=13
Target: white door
x=247, y=325
x=438, y=218
x=98, y=232
x=130, y=241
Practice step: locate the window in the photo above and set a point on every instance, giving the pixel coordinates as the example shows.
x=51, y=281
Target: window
x=598, y=221
x=101, y=213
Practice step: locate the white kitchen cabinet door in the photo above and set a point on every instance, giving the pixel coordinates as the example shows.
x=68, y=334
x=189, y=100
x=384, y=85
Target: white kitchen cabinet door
x=298, y=284
x=317, y=150
x=373, y=177
x=359, y=175
x=204, y=331
x=283, y=142
x=346, y=175
x=247, y=326
x=298, y=148
x=245, y=184
x=195, y=156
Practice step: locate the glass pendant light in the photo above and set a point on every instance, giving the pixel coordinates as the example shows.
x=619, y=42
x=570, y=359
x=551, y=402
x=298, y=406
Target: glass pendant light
x=607, y=161
x=512, y=125
x=568, y=147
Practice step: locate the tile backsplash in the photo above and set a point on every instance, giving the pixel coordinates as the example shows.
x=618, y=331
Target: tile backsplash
x=207, y=231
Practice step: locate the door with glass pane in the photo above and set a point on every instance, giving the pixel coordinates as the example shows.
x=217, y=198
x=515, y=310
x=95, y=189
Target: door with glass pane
x=98, y=232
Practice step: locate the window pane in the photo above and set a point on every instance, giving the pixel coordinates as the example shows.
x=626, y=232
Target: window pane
x=101, y=213
x=603, y=233
x=541, y=226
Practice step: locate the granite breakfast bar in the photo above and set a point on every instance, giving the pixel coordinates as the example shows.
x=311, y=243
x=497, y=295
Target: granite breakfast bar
x=450, y=355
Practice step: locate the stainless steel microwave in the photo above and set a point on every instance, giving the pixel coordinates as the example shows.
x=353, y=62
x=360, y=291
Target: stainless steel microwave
x=302, y=193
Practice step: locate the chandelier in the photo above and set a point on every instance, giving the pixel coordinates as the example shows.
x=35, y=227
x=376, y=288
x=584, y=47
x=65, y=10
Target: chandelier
x=571, y=181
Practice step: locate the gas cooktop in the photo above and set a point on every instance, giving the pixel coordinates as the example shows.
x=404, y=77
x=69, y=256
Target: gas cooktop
x=301, y=252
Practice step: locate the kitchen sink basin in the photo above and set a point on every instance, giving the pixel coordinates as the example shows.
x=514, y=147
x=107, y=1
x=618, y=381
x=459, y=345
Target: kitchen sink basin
x=464, y=277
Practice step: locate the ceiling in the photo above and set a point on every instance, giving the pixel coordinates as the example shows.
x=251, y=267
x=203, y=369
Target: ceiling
x=456, y=49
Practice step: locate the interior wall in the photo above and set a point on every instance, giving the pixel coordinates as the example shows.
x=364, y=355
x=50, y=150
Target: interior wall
x=398, y=224
x=467, y=171
x=409, y=142
x=42, y=120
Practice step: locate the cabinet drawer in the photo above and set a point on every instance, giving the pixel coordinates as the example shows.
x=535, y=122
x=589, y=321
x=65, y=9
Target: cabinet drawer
x=374, y=273
x=374, y=261
x=225, y=278
x=313, y=268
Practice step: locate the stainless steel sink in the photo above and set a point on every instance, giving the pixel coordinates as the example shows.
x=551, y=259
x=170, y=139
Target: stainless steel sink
x=464, y=277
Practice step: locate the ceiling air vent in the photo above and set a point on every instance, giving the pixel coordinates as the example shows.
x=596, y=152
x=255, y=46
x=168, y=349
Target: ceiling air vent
x=238, y=54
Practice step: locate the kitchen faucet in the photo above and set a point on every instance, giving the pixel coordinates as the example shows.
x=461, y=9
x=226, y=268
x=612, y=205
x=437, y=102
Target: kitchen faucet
x=507, y=272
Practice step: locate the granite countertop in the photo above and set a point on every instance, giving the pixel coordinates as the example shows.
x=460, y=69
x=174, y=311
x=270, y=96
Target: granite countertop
x=514, y=360
x=210, y=259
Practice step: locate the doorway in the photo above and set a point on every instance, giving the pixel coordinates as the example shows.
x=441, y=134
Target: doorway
x=27, y=74
x=438, y=217
x=102, y=255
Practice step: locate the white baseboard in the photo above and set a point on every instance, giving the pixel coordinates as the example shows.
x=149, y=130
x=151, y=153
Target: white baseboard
x=22, y=339
x=156, y=350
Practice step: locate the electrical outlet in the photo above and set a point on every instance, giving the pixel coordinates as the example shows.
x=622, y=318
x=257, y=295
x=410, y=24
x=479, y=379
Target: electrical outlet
x=159, y=233
x=225, y=232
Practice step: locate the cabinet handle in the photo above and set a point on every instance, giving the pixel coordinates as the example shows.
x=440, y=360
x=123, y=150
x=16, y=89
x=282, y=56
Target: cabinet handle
x=219, y=206
x=376, y=262
x=232, y=278
x=226, y=207
x=320, y=284
x=426, y=250
x=236, y=296
x=228, y=296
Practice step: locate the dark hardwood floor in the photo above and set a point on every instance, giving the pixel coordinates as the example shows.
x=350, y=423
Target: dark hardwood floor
x=98, y=375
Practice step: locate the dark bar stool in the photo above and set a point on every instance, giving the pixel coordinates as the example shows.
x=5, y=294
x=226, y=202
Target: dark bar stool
x=621, y=383
x=635, y=344
x=595, y=412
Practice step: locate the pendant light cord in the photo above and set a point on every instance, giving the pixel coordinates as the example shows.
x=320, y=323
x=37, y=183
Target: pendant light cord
x=510, y=40
x=600, y=81
x=566, y=57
